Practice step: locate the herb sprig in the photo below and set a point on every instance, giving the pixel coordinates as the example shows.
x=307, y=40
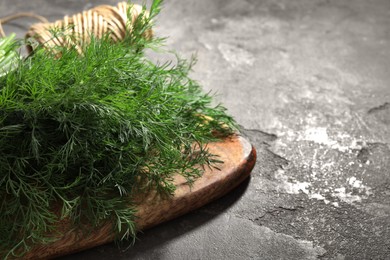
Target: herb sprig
x=80, y=135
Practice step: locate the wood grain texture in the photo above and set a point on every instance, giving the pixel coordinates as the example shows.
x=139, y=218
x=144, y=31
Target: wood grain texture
x=239, y=158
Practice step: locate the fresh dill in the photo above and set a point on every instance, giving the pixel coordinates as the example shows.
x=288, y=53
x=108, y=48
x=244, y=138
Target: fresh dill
x=80, y=135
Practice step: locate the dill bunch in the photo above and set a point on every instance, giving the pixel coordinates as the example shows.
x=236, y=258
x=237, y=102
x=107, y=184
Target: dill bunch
x=81, y=135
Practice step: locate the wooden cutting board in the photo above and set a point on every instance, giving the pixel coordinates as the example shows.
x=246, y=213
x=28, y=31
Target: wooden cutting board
x=239, y=158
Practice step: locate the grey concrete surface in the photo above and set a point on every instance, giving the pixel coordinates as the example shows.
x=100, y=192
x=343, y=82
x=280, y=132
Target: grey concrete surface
x=309, y=82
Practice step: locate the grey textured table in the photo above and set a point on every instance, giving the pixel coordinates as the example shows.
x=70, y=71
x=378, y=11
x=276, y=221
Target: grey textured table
x=309, y=81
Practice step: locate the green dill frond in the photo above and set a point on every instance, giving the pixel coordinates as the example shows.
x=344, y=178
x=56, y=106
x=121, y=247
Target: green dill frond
x=80, y=135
